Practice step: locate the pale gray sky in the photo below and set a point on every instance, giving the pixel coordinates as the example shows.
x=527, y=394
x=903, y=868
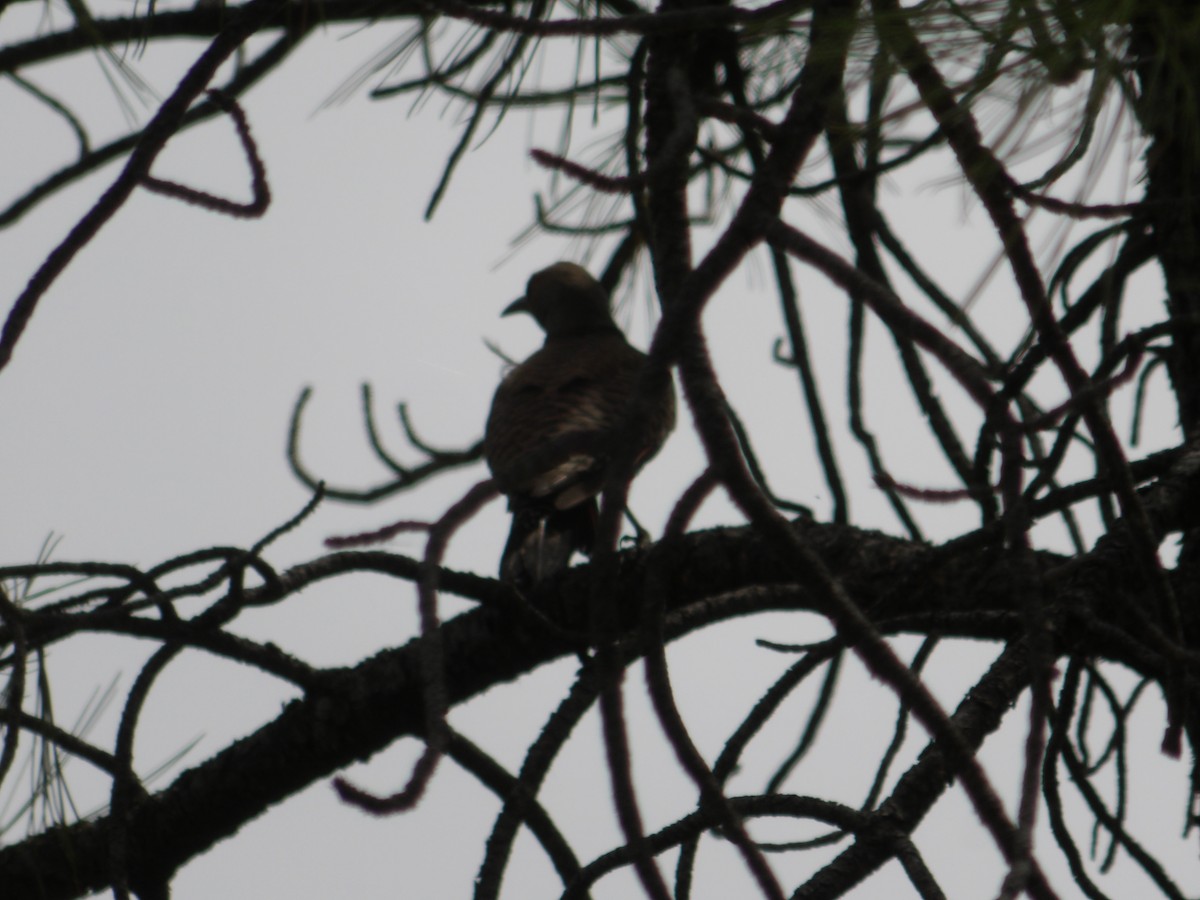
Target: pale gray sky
x=145, y=415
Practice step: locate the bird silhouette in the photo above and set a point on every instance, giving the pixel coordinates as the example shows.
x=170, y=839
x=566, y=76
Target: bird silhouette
x=556, y=418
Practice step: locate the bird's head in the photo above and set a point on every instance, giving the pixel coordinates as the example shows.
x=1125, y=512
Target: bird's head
x=565, y=300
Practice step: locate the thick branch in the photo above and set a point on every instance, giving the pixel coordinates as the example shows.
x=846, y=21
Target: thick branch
x=341, y=723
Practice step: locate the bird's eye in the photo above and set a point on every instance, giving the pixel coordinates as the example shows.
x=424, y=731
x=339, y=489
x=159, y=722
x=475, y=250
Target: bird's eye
x=575, y=385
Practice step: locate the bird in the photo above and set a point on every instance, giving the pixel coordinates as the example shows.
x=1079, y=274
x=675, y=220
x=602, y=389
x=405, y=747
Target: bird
x=555, y=420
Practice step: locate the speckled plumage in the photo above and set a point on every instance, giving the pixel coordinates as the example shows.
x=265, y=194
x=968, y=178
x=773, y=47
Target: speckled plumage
x=554, y=417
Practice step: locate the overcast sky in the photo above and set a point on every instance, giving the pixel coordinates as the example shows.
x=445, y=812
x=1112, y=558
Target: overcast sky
x=145, y=415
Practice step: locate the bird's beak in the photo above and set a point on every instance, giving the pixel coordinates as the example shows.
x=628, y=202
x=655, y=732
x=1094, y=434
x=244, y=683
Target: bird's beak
x=520, y=305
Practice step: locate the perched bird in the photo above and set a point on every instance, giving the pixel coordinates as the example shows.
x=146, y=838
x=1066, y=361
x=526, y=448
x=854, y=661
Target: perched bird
x=556, y=417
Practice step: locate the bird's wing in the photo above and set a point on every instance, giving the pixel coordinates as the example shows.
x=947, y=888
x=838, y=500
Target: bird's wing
x=554, y=415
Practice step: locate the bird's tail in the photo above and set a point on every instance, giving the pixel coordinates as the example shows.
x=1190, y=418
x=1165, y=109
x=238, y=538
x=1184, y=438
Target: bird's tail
x=542, y=540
